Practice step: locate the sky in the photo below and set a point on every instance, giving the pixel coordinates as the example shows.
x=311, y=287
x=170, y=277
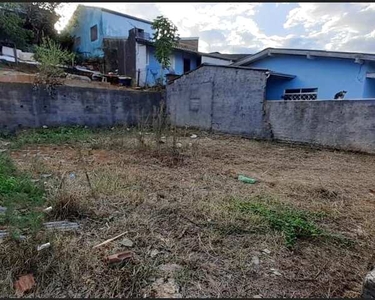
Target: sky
x=251, y=27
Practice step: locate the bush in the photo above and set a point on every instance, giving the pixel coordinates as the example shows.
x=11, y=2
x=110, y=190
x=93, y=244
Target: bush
x=52, y=58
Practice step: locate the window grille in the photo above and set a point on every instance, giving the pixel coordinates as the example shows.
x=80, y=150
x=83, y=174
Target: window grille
x=301, y=94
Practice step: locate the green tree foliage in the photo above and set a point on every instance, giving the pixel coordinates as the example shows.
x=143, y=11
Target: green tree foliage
x=52, y=58
x=165, y=38
x=27, y=23
x=12, y=24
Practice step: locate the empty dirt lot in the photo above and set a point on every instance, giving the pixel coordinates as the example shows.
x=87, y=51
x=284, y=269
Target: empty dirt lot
x=304, y=229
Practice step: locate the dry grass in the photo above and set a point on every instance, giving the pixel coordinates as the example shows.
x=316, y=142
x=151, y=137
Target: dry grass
x=181, y=207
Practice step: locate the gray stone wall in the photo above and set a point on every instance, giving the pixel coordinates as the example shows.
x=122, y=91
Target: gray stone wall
x=22, y=106
x=342, y=124
x=224, y=99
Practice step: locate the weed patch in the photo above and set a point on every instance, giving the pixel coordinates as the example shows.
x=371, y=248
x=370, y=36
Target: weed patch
x=294, y=224
x=20, y=196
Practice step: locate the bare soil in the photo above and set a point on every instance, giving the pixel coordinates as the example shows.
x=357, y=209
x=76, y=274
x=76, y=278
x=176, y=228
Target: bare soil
x=176, y=211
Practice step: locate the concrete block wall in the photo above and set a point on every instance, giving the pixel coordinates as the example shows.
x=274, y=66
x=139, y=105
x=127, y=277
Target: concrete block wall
x=342, y=124
x=24, y=106
x=224, y=99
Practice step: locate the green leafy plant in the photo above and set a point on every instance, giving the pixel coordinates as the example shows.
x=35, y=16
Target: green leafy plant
x=21, y=197
x=294, y=224
x=52, y=58
x=165, y=39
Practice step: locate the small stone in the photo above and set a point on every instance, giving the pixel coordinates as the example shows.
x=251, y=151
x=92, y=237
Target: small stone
x=35, y=180
x=193, y=136
x=166, y=288
x=45, y=175
x=72, y=176
x=257, y=296
x=3, y=150
x=154, y=253
x=274, y=271
x=178, y=145
x=266, y=251
x=127, y=243
x=368, y=290
x=45, y=126
x=255, y=260
x=190, y=145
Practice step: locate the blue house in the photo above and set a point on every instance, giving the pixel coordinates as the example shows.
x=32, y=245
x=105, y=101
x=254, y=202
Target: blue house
x=315, y=74
x=124, y=43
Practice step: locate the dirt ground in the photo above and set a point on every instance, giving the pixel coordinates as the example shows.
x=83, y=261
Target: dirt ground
x=187, y=242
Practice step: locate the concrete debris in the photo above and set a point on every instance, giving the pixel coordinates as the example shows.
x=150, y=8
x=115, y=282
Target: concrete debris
x=119, y=257
x=170, y=268
x=24, y=284
x=45, y=175
x=274, y=271
x=43, y=246
x=154, y=253
x=368, y=290
x=255, y=260
x=266, y=251
x=48, y=209
x=162, y=288
x=4, y=233
x=193, y=136
x=127, y=243
x=61, y=225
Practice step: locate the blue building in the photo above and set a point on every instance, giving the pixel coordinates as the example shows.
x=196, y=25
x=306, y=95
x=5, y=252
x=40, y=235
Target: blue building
x=124, y=43
x=315, y=74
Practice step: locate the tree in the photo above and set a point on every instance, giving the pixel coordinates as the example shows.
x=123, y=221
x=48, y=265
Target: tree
x=165, y=38
x=27, y=23
x=12, y=23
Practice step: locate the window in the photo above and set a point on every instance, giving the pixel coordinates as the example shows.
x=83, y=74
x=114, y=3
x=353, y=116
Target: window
x=186, y=65
x=77, y=41
x=301, y=94
x=94, y=33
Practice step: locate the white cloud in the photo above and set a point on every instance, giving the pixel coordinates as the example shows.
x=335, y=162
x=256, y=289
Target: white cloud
x=228, y=27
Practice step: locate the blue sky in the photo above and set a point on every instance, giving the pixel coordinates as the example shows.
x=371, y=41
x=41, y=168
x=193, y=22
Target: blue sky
x=251, y=27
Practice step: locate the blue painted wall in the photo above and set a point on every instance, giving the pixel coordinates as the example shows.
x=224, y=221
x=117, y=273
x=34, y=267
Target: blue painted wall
x=88, y=17
x=329, y=75
x=119, y=26
x=109, y=25
x=154, y=67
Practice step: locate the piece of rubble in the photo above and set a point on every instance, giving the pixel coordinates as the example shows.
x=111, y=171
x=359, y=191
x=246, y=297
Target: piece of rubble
x=368, y=290
x=43, y=246
x=193, y=136
x=5, y=233
x=47, y=209
x=45, y=126
x=119, y=257
x=24, y=284
x=61, y=225
x=266, y=251
x=45, y=175
x=154, y=253
x=274, y=271
x=127, y=243
x=255, y=260
x=162, y=288
x=178, y=145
